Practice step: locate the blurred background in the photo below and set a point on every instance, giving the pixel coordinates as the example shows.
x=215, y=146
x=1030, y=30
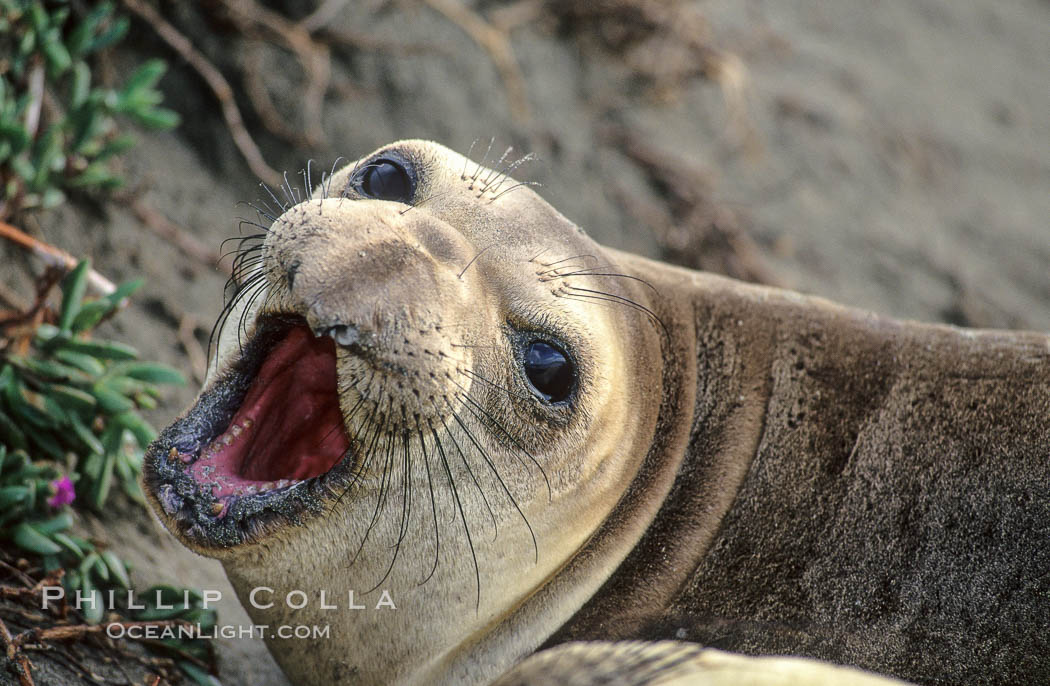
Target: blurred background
x=892, y=155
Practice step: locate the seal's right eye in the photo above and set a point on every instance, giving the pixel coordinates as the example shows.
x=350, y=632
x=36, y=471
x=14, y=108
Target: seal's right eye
x=549, y=371
x=386, y=179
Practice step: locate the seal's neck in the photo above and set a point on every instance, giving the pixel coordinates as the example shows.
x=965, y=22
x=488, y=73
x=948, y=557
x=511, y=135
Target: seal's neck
x=716, y=391
x=845, y=475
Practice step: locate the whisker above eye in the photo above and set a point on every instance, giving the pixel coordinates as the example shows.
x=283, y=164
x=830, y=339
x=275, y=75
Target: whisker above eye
x=588, y=272
x=466, y=160
x=326, y=179
x=568, y=291
x=473, y=259
x=566, y=259
x=519, y=184
x=308, y=185
x=494, y=171
x=502, y=178
x=481, y=165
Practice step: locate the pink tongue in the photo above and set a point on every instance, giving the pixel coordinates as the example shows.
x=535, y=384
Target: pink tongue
x=289, y=426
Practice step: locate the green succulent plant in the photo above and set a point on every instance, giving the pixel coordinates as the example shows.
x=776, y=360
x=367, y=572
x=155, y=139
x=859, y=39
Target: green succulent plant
x=58, y=129
x=70, y=429
x=75, y=399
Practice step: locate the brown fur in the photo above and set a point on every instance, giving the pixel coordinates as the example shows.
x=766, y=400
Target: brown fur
x=894, y=513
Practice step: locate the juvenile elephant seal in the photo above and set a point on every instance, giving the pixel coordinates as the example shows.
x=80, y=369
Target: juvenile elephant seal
x=432, y=384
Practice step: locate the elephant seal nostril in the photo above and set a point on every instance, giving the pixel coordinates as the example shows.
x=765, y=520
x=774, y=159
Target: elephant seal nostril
x=343, y=335
x=290, y=273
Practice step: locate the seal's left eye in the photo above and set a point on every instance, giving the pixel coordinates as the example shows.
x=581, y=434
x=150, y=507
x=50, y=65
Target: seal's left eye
x=549, y=371
x=386, y=179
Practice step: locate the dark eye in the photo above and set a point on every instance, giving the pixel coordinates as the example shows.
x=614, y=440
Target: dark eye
x=386, y=179
x=549, y=370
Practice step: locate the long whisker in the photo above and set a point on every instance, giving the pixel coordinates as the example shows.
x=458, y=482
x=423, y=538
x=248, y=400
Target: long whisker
x=500, y=180
x=587, y=272
x=519, y=184
x=370, y=451
x=433, y=504
x=477, y=485
x=566, y=259
x=587, y=293
x=499, y=478
x=406, y=495
x=466, y=527
x=386, y=481
x=474, y=375
x=495, y=423
x=242, y=325
x=406, y=483
x=240, y=291
x=379, y=497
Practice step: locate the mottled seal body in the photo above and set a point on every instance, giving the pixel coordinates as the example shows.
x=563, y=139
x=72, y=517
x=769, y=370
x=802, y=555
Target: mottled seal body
x=888, y=505
x=433, y=384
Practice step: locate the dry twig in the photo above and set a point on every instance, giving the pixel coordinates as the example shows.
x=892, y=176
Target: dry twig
x=216, y=82
x=496, y=42
x=17, y=573
x=692, y=230
x=337, y=35
x=254, y=19
x=190, y=245
x=80, y=643
x=666, y=42
x=19, y=662
x=255, y=87
x=54, y=257
x=320, y=17
x=74, y=632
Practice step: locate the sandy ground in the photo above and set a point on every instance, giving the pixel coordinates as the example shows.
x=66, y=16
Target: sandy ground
x=902, y=165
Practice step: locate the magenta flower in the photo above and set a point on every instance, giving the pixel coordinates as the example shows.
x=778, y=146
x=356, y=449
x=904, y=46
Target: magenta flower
x=64, y=493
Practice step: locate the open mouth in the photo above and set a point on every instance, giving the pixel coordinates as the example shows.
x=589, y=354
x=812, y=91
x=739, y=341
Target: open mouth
x=262, y=447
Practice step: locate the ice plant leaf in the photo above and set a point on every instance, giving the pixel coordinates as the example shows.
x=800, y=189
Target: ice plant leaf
x=152, y=372
x=28, y=538
x=117, y=568
x=72, y=294
x=59, y=522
